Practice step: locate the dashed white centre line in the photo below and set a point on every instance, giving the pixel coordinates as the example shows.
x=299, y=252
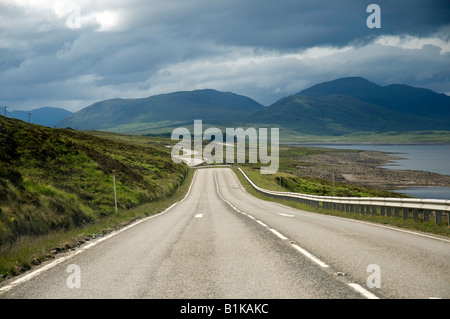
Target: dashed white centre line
x=357, y=287
x=286, y=215
x=278, y=234
x=310, y=256
x=198, y=216
x=363, y=291
x=261, y=223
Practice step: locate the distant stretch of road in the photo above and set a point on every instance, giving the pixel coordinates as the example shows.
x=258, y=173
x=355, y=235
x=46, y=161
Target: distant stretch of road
x=221, y=242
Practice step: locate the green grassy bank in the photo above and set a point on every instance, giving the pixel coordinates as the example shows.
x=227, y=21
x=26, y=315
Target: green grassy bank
x=56, y=188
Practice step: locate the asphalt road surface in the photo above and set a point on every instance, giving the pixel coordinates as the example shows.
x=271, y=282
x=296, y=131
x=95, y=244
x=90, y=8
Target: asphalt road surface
x=221, y=242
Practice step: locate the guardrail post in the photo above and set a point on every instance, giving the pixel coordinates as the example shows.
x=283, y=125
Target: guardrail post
x=415, y=213
x=426, y=215
x=405, y=213
x=374, y=210
x=388, y=211
x=382, y=211
x=396, y=212
x=438, y=217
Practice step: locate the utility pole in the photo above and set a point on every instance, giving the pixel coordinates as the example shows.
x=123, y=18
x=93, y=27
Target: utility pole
x=114, y=181
x=5, y=110
x=29, y=113
x=333, y=184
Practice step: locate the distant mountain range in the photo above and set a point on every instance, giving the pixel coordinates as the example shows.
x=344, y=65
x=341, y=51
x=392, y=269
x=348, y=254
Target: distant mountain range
x=338, y=107
x=46, y=116
x=165, y=110
x=355, y=104
x=395, y=97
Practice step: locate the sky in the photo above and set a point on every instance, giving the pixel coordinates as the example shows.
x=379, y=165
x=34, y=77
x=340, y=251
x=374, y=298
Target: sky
x=70, y=54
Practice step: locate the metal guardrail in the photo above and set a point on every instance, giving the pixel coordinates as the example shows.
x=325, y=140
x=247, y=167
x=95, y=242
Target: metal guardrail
x=385, y=206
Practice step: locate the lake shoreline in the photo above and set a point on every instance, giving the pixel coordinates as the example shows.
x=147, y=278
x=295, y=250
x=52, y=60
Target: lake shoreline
x=366, y=168
x=361, y=143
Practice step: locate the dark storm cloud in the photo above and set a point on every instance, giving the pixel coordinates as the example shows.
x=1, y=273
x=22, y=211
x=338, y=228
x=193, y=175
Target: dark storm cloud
x=265, y=49
x=287, y=24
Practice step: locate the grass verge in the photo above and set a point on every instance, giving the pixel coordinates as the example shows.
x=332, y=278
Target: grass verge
x=27, y=251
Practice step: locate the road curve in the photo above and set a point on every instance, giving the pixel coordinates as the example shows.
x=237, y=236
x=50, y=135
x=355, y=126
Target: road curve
x=220, y=242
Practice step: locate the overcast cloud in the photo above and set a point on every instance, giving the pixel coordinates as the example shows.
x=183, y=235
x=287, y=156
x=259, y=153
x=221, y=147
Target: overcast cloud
x=69, y=54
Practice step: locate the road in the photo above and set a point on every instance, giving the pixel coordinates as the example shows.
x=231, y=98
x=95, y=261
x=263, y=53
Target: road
x=220, y=242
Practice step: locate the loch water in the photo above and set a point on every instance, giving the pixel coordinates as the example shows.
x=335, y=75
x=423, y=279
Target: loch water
x=428, y=157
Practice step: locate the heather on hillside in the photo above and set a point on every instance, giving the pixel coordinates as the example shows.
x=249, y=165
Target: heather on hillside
x=53, y=179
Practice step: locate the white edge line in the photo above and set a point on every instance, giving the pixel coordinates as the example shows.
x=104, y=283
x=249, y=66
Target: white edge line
x=363, y=291
x=310, y=256
x=36, y=272
x=351, y=219
x=397, y=229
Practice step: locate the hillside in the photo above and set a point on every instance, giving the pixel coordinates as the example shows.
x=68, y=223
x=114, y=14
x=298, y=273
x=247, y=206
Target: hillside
x=395, y=97
x=46, y=116
x=53, y=179
x=340, y=114
x=164, y=110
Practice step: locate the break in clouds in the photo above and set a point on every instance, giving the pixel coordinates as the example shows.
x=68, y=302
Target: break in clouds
x=70, y=54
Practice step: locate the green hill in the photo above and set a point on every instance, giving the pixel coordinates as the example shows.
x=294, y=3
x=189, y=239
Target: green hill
x=395, y=97
x=58, y=179
x=339, y=114
x=164, y=110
